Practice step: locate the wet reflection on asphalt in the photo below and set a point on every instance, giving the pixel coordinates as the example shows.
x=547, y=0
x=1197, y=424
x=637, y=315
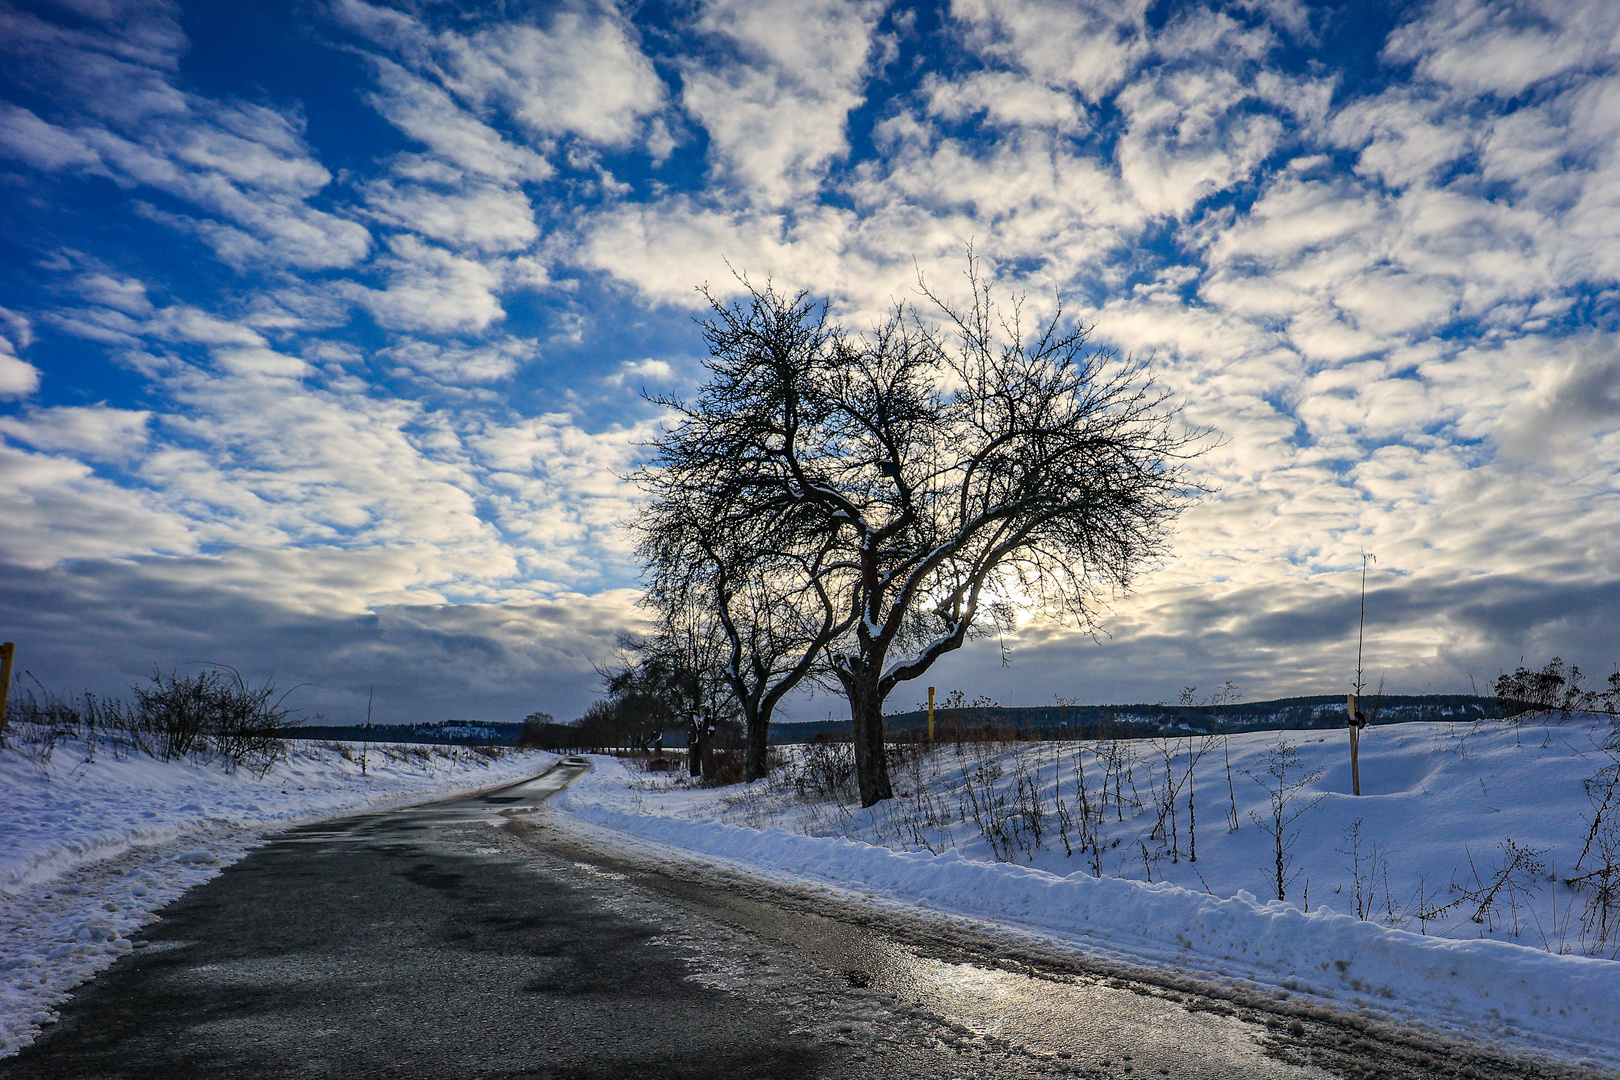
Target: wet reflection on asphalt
x=1082, y=1023
x=1085, y=1021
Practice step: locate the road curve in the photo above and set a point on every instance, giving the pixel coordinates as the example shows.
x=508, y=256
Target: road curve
x=474, y=938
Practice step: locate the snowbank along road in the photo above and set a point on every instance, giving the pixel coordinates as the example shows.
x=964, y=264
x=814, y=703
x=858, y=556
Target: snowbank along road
x=480, y=937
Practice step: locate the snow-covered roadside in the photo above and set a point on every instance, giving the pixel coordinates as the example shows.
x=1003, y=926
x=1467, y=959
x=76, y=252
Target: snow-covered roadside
x=91, y=849
x=1524, y=998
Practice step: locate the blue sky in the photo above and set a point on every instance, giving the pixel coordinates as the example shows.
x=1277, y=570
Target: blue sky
x=324, y=325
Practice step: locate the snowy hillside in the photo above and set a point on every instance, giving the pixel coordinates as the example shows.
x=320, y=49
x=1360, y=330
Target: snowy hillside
x=93, y=843
x=1438, y=896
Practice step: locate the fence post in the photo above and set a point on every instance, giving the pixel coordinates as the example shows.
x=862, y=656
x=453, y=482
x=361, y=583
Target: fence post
x=7, y=651
x=1355, y=745
x=930, y=716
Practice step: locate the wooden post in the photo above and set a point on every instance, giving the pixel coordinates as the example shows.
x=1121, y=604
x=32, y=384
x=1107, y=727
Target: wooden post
x=930, y=713
x=1355, y=744
x=7, y=651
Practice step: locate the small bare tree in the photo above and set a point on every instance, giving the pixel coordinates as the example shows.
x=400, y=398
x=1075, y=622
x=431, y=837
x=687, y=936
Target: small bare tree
x=924, y=480
x=1285, y=783
x=1358, y=718
x=1554, y=690
x=667, y=679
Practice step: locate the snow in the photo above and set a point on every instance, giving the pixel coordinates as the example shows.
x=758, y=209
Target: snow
x=1439, y=803
x=93, y=844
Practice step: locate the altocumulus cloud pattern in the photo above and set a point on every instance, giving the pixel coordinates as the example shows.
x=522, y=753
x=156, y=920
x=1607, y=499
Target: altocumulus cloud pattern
x=324, y=326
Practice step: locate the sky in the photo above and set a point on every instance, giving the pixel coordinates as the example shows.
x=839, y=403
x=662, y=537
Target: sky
x=326, y=326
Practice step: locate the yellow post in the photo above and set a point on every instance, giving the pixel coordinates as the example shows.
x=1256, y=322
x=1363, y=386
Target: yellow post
x=7, y=651
x=930, y=710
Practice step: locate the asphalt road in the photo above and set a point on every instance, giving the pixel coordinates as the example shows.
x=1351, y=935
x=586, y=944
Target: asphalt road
x=472, y=939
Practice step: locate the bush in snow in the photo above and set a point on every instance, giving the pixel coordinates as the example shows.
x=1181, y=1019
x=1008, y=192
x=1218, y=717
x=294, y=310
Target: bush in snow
x=214, y=711
x=1597, y=870
x=1285, y=781
x=1553, y=689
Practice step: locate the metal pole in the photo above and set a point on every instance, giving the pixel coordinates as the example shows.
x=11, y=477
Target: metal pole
x=1361, y=627
x=930, y=713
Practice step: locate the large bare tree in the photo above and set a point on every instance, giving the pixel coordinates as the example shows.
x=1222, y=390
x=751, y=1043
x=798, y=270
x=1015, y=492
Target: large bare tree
x=922, y=478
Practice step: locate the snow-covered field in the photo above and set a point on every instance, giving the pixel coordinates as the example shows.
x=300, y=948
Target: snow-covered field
x=93, y=844
x=1436, y=898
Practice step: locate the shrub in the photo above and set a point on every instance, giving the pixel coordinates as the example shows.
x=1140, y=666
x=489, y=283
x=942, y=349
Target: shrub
x=826, y=771
x=178, y=715
x=217, y=709
x=724, y=767
x=1553, y=689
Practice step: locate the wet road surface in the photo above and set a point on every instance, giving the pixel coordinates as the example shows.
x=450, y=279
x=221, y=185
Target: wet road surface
x=472, y=938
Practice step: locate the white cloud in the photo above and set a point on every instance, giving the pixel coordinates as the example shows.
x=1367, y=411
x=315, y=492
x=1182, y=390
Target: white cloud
x=1569, y=399
x=1504, y=47
x=480, y=216
x=429, y=289
x=44, y=146
x=459, y=365
x=360, y=498
x=1187, y=138
x=58, y=509
x=560, y=489
x=96, y=432
x=581, y=75
x=1087, y=47
x=1191, y=129
x=776, y=113
x=1292, y=15
x=126, y=295
x=1386, y=348
x=115, y=63
x=637, y=372
x=458, y=141
x=18, y=378
x=1402, y=138
x=245, y=164
x=1005, y=99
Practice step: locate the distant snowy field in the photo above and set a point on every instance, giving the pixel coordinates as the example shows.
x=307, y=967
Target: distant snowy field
x=1454, y=855
x=93, y=844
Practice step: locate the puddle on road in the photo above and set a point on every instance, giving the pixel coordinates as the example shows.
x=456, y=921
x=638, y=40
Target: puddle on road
x=1084, y=1023
x=1077, y=1019
x=1091, y=1022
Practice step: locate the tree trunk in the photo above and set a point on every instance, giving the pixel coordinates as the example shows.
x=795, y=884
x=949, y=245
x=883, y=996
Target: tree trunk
x=694, y=750
x=871, y=761
x=755, y=764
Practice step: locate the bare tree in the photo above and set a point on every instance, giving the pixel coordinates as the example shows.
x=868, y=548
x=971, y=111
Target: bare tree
x=1285, y=780
x=711, y=540
x=670, y=679
x=772, y=612
x=922, y=478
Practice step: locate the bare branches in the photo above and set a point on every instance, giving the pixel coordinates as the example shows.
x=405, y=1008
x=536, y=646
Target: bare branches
x=873, y=501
